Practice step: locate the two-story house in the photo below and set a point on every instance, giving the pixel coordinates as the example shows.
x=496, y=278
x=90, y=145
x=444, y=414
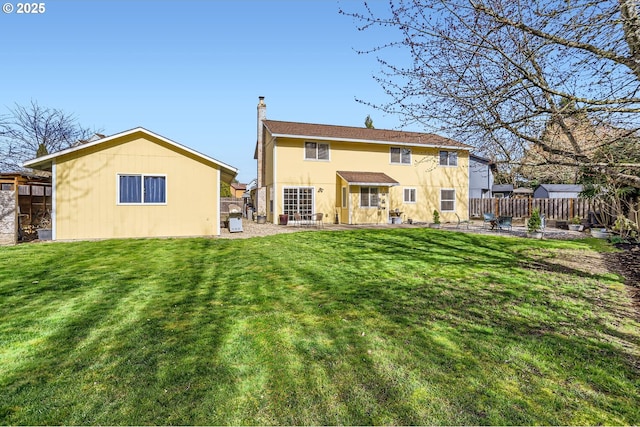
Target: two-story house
x=480, y=177
x=358, y=175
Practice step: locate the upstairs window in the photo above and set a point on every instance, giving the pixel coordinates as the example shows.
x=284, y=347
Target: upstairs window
x=448, y=158
x=316, y=151
x=400, y=156
x=143, y=189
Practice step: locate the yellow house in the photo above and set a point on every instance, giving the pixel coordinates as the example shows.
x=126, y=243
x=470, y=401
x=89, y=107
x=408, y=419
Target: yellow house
x=358, y=175
x=238, y=189
x=133, y=184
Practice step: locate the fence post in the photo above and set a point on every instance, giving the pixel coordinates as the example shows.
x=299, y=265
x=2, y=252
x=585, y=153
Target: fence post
x=496, y=207
x=571, y=209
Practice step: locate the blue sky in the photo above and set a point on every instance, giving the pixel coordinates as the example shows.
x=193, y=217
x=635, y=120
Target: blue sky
x=192, y=71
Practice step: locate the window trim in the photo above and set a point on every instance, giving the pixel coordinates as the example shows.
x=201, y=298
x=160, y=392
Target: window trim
x=344, y=194
x=449, y=152
x=142, y=177
x=317, y=151
x=369, y=205
x=400, y=154
x=448, y=200
x=415, y=195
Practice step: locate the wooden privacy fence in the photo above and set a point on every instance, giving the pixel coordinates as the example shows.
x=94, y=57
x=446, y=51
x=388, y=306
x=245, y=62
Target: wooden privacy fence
x=558, y=209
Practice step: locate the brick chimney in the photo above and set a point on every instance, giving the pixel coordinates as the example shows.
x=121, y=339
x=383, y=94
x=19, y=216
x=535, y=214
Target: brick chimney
x=262, y=115
x=261, y=196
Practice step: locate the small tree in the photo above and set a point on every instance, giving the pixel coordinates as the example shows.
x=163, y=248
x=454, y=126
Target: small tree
x=42, y=151
x=535, y=222
x=225, y=189
x=368, y=122
x=436, y=217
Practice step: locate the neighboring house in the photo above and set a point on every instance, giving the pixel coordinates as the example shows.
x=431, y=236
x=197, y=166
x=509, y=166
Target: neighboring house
x=557, y=191
x=480, y=177
x=358, y=175
x=502, y=190
x=507, y=190
x=238, y=190
x=133, y=184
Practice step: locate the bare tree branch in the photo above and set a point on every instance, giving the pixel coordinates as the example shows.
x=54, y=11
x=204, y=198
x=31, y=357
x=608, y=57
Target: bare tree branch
x=511, y=77
x=28, y=129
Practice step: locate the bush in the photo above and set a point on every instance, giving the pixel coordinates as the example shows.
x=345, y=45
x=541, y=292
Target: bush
x=436, y=217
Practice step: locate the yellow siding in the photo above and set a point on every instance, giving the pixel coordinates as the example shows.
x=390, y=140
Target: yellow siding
x=424, y=174
x=86, y=192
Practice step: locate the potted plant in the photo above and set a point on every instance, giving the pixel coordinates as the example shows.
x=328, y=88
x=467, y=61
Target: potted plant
x=534, y=224
x=576, y=224
x=436, y=219
x=261, y=218
x=600, y=233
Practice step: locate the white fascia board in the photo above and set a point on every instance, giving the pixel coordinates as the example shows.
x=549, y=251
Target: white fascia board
x=373, y=184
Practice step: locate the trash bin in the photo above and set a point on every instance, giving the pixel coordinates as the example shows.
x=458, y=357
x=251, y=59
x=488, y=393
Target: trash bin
x=396, y=220
x=283, y=219
x=234, y=221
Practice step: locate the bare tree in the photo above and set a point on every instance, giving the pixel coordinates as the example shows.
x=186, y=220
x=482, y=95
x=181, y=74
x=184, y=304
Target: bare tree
x=498, y=73
x=27, y=132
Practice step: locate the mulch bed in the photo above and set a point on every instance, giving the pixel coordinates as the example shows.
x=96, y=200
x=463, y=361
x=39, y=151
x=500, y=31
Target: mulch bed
x=627, y=264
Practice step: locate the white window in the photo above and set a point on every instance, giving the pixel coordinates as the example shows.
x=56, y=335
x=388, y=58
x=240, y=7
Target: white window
x=369, y=197
x=400, y=155
x=447, y=200
x=142, y=189
x=344, y=197
x=448, y=158
x=409, y=195
x=316, y=151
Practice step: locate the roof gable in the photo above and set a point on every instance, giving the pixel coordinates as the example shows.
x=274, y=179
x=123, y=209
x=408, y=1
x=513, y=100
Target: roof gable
x=357, y=134
x=48, y=159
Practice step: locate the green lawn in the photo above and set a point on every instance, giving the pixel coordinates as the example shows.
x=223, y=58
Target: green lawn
x=404, y=326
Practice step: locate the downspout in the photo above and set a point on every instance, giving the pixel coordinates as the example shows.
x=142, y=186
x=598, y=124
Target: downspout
x=54, y=191
x=275, y=182
x=217, y=223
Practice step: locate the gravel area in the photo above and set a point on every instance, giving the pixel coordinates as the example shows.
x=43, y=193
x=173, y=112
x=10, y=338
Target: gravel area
x=253, y=229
